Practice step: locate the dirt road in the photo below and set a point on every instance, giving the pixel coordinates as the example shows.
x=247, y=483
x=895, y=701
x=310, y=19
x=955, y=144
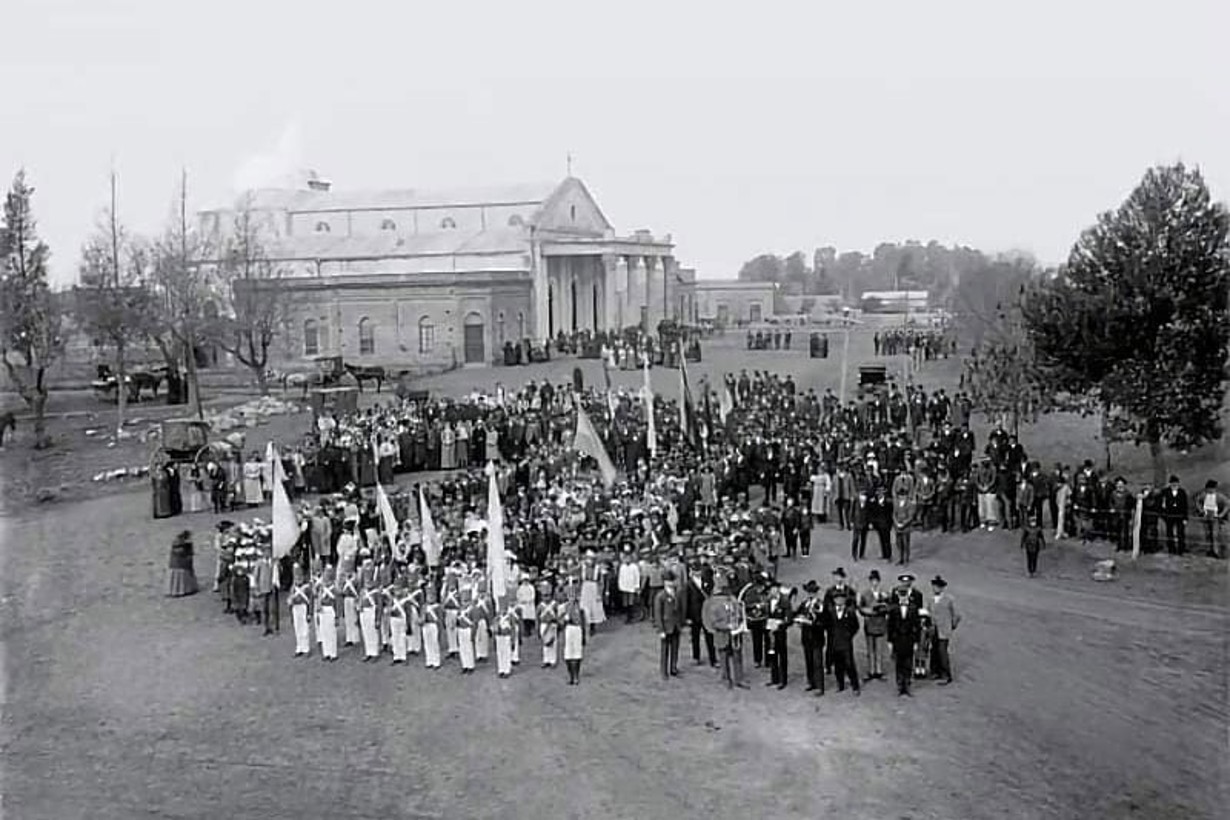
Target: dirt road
x=1073, y=699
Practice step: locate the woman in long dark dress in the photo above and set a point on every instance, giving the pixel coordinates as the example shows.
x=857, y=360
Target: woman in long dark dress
x=181, y=579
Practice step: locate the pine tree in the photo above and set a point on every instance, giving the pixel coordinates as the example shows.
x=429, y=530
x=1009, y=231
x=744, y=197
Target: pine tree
x=1139, y=321
x=30, y=340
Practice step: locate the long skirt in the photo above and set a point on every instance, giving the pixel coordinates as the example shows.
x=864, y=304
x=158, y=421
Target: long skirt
x=550, y=644
x=503, y=654
x=252, y=492
x=465, y=645
x=462, y=455
x=482, y=641
x=328, y=631
x=591, y=603
x=398, y=627
x=367, y=624
x=446, y=457
x=181, y=582
x=350, y=619
x=574, y=643
x=431, y=644
x=303, y=642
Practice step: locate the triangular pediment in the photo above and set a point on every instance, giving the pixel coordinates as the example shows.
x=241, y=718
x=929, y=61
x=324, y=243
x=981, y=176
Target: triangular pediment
x=571, y=209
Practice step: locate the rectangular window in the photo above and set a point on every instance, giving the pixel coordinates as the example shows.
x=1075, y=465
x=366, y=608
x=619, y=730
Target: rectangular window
x=427, y=338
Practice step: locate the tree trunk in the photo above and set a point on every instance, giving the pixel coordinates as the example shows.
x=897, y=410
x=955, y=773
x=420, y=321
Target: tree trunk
x=121, y=369
x=194, y=387
x=1158, y=458
x=262, y=380
x=39, y=405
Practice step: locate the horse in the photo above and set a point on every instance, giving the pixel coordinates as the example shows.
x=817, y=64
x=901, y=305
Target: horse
x=362, y=374
x=8, y=421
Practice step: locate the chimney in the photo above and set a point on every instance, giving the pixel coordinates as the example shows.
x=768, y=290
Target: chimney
x=315, y=183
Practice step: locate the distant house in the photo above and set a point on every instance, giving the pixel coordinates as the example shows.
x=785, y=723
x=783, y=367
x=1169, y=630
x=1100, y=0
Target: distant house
x=726, y=302
x=813, y=306
x=893, y=301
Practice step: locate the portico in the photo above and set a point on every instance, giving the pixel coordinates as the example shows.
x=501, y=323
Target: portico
x=603, y=284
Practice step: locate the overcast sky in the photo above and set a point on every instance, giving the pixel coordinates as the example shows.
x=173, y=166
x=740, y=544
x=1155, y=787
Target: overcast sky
x=775, y=127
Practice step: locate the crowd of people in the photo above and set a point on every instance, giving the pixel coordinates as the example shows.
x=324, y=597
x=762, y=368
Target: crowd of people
x=923, y=344
x=689, y=535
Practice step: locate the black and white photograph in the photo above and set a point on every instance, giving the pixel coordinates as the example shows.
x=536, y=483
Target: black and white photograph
x=624, y=410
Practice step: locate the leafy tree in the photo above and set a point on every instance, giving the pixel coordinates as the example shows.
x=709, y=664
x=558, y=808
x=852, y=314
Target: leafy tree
x=257, y=298
x=1139, y=319
x=1001, y=376
x=112, y=303
x=766, y=267
x=30, y=316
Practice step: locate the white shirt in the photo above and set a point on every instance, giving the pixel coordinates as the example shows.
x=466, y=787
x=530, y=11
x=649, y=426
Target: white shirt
x=629, y=577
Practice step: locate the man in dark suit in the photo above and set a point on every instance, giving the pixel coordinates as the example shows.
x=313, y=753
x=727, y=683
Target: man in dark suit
x=842, y=629
x=780, y=613
x=1174, y=516
x=697, y=591
x=668, y=617
x=813, y=619
x=904, y=627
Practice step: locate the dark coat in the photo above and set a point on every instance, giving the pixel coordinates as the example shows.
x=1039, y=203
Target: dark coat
x=668, y=612
x=842, y=631
x=903, y=631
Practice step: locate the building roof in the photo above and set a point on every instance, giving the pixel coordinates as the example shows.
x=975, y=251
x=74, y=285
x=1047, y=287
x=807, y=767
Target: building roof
x=298, y=201
x=894, y=295
x=389, y=245
x=731, y=284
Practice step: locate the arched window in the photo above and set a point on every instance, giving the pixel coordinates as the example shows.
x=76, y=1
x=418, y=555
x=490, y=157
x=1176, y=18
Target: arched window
x=322, y=227
x=520, y=325
x=515, y=221
x=388, y=225
x=311, y=338
x=448, y=223
x=367, y=337
x=573, y=212
x=427, y=335
x=501, y=333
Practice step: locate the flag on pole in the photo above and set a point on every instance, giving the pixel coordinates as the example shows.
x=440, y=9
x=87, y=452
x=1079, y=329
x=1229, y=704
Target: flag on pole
x=726, y=404
x=687, y=409
x=610, y=393
x=431, y=540
x=647, y=393
x=387, y=515
x=589, y=443
x=497, y=562
x=285, y=523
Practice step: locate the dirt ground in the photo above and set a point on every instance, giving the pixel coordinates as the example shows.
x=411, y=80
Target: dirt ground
x=1073, y=699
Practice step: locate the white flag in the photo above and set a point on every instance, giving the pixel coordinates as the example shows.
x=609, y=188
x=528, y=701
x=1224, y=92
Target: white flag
x=386, y=515
x=726, y=403
x=589, y=442
x=285, y=523
x=431, y=540
x=497, y=563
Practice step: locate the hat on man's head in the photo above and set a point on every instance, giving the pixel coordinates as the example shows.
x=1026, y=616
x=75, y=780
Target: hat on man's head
x=840, y=572
x=874, y=575
x=938, y=581
x=905, y=578
x=1174, y=479
x=811, y=586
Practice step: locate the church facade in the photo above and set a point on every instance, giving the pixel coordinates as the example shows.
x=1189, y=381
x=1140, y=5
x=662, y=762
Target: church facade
x=409, y=277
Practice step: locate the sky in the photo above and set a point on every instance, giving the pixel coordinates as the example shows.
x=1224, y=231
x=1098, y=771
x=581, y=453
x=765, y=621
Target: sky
x=738, y=128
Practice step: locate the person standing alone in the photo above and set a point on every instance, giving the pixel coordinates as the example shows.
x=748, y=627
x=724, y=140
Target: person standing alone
x=668, y=617
x=946, y=619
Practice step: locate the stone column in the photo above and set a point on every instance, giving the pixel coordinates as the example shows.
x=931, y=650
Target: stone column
x=619, y=294
x=542, y=279
x=636, y=291
x=653, y=292
x=609, y=273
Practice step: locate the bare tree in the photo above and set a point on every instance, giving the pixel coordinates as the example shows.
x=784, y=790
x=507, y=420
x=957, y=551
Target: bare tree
x=111, y=303
x=257, y=297
x=30, y=315
x=180, y=274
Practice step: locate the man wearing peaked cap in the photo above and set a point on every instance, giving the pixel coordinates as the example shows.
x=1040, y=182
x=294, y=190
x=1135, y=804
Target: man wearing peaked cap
x=906, y=580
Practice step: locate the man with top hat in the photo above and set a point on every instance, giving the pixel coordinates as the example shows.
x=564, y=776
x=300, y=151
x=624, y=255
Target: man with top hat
x=668, y=618
x=873, y=604
x=946, y=619
x=843, y=626
x=300, y=604
x=904, y=626
x=778, y=615
x=696, y=591
x=812, y=619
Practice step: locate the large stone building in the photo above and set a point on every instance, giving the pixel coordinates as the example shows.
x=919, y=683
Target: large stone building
x=413, y=277
x=727, y=302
